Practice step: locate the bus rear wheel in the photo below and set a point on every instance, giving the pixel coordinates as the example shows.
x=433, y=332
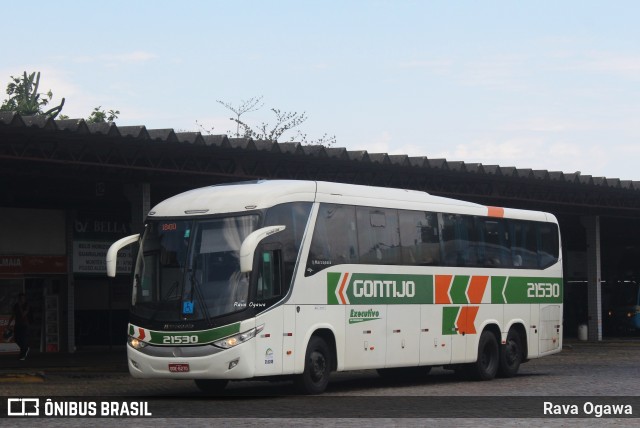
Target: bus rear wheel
x=317, y=367
x=211, y=386
x=510, y=355
x=486, y=367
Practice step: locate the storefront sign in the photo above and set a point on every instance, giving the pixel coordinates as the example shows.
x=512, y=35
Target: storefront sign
x=90, y=257
x=97, y=226
x=18, y=265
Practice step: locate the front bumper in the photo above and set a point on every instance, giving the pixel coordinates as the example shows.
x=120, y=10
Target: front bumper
x=234, y=363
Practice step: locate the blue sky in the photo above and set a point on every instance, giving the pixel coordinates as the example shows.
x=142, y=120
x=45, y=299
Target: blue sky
x=545, y=85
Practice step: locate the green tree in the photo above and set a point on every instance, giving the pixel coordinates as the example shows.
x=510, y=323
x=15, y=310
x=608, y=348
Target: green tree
x=245, y=106
x=285, y=121
x=25, y=99
x=100, y=116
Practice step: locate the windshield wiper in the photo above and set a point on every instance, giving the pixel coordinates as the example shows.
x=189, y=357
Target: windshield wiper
x=195, y=286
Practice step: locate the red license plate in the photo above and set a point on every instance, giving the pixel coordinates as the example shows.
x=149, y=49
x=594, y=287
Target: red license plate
x=178, y=367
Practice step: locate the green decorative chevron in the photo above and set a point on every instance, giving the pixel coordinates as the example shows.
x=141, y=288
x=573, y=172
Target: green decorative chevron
x=449, y=316
x=459, y=289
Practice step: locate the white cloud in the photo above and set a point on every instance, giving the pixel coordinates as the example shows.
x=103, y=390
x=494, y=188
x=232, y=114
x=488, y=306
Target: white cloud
x=532, y=152
x=437, y=66
x=119, y=58
x=554, y=125
x=607, y=63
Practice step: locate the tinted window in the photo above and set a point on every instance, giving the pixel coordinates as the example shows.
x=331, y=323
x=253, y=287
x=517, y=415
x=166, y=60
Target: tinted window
x=294, y=216
x=378, y=236
x=524, y=244
x=334, y=238
x=367, y=235
x=548, y=244
x=419, y=238
x=458, y=240
x=493, y=243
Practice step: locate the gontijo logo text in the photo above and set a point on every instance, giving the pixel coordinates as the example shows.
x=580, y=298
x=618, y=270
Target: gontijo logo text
x=362, y=289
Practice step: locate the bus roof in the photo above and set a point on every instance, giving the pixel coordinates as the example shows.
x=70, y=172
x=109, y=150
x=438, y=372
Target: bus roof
x=252, y=195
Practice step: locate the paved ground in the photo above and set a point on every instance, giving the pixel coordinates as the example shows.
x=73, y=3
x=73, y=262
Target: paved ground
x=589, y=371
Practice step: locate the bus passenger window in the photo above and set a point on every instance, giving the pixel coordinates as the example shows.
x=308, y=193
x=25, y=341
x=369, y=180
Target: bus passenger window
x=378, y=236
x=524, y=251
x=458, y=240
x=548, y=245
x=334, y=238
x=493, y=244
x=419, y=240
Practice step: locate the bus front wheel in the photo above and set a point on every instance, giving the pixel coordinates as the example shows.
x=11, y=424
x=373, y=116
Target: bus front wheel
x=317, y=367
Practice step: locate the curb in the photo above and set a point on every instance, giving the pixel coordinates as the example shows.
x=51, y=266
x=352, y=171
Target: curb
x=22, y=377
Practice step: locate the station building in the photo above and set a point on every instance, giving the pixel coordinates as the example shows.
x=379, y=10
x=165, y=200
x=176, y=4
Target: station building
x=68, y=189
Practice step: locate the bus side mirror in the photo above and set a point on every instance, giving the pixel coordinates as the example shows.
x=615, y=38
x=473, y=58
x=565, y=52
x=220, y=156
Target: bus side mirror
x=112, y=254
x=248, y=247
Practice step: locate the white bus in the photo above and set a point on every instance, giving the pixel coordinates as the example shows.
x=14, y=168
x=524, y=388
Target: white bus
x=302, y=278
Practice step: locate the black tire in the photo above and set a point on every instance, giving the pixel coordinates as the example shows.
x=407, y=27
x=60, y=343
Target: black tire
x=211, y=386
x=510, y=355
x=486, y=367
x=317, y=368
x=404, y=373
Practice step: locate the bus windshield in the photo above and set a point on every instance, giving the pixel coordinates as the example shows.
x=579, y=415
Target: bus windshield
x=190, y=270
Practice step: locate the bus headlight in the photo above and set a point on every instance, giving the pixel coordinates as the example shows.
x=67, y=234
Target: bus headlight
x=231, y=341
x=136, y=343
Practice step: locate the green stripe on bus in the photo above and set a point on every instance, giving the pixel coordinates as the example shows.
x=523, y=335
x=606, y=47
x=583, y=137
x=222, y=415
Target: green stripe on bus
x=497, y=285
x=533, y=290
x=333, y=278
x=449, y=316
x=369, y=288
x=526, y=289
x=459, y=289
x=203, y=336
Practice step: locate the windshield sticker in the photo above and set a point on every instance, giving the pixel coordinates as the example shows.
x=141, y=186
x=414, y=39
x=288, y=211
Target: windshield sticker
x=187, y=308
x=268, y=356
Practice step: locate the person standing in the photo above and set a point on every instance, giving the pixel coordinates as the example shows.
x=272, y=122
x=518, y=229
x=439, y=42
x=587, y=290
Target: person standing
x=21, y=327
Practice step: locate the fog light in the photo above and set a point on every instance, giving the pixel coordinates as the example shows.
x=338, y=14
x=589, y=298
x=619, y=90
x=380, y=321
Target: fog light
x=134, y=364
x=234, y=363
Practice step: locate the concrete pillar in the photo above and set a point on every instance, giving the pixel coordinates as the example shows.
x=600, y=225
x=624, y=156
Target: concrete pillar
x=139, y=196
x=71, y=293
x=594, y=275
